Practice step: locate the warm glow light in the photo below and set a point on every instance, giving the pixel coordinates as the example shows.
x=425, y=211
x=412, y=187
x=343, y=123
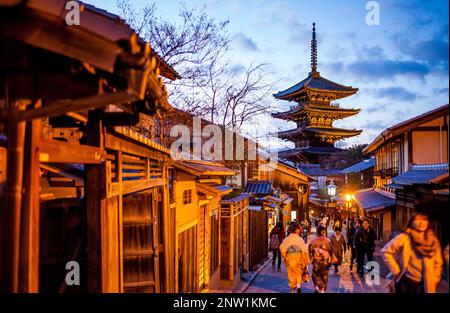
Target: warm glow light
x=348, y=197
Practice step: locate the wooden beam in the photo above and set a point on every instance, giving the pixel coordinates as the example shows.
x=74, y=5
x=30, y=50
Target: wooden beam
x=10, y=213
x=115, y=143
x=55, y=151
x=95, y=192
x=29, y=240
x=63, y=107
x=132, y=186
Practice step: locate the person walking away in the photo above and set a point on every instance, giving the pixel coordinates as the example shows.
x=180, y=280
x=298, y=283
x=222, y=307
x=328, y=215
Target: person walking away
x=339, y=247
x=305, y=233
x=365, y=245
x=276, y=237
x=337, y=224
x=351, y=242
x=414, y=257
x=321, y=252
x=295, y=257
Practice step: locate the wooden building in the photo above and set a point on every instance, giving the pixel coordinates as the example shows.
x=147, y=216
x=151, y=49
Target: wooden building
x=197, y=192
x=234, y=245
x=314, y=113
x=290, y=181
x=418, y=147
x=95, y=189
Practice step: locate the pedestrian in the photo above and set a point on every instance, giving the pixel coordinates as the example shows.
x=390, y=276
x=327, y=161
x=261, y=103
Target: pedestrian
x=321, y=254
x=339, y=247
x=337, y=224
x=351, y=242
x=276, y=237
x=304, y=232
x=365, y=245
x=414, y=257
x=295, y=256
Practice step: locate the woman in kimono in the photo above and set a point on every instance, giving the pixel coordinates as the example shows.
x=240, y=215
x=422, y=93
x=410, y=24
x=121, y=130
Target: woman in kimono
x=321, y=252
x=295, y=256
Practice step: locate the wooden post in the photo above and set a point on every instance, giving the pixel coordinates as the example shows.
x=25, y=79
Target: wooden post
x=29, y=250
x=95, y=203
x=11, y=211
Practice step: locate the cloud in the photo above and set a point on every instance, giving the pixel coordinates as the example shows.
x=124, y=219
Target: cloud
x=237, y=69
x=441, y=91
x=386, y=69
x=245, y=42
x=371, y=53
x=394, y=93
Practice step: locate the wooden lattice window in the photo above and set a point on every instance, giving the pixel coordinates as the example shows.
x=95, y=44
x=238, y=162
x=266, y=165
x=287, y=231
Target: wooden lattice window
x=187, y=196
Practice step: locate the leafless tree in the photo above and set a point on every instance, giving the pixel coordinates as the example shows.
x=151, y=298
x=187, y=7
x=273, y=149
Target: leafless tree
x=197, y=47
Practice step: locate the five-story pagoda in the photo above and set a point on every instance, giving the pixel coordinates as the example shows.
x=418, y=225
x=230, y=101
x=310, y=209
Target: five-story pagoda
x=314, y=114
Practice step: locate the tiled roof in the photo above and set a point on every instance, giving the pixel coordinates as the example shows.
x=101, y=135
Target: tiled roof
x=310, y=150
x=236, y=199
x=319, y=130
x=405, y=126
x=204, y=168
x=258, y=187
x=373, y=200
x=315, y=82
x=422, y=174
x=312, y=169
x=359, y=167
x=214, y=188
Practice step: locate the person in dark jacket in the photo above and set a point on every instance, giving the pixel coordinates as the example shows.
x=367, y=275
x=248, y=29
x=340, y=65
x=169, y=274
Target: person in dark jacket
x=350, y=242
x=365, y=245
x=276, y=233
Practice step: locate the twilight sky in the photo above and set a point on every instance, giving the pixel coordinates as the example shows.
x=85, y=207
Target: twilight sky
x=400, y=66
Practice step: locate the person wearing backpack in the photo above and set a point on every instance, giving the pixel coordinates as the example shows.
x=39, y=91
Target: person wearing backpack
x=276, y=237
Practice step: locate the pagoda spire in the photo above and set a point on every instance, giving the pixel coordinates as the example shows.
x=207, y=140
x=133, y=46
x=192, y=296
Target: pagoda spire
x=314, y=51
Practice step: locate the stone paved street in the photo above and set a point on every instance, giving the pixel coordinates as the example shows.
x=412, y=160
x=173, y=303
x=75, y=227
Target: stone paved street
x=269, y=281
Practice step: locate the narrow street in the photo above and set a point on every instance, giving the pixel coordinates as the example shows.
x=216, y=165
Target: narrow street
x=345, y=281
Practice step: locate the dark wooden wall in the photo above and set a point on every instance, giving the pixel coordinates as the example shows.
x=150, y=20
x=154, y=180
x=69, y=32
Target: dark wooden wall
x=258, y=236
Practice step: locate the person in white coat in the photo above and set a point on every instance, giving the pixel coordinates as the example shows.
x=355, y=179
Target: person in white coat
x=414, y=258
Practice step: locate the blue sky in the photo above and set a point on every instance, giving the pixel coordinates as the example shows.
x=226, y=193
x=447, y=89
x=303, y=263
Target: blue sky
x=400, y=66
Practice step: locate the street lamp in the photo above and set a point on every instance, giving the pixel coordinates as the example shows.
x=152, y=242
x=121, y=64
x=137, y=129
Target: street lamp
x=331, y=189
x=348, y=199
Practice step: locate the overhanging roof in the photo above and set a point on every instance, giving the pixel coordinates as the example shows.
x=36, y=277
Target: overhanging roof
x=204, y=168
x=360, y=166
x=373, y=200
x=258, y=187
x=405, y=126
x=214, y=189
x=315, y=82
x=422, y=175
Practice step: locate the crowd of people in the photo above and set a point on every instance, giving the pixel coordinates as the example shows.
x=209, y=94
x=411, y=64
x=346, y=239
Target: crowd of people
x=414, y=257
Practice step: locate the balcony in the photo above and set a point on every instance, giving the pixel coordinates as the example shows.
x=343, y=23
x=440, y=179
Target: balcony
x=386, y=173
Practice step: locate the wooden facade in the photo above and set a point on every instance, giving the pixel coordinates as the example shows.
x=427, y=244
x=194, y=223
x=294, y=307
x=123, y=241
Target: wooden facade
x=94, y=188
x=86, y=175
x=234, y=248
x=421, y=141
x=258, y=234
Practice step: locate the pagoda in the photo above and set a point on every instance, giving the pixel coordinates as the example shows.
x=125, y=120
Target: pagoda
x=314, y=114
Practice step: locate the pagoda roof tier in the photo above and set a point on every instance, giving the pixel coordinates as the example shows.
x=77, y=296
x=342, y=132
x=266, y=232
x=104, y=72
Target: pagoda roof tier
x=332, y=110
x=308, y=151
x=317, y=83
x=322, y=131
